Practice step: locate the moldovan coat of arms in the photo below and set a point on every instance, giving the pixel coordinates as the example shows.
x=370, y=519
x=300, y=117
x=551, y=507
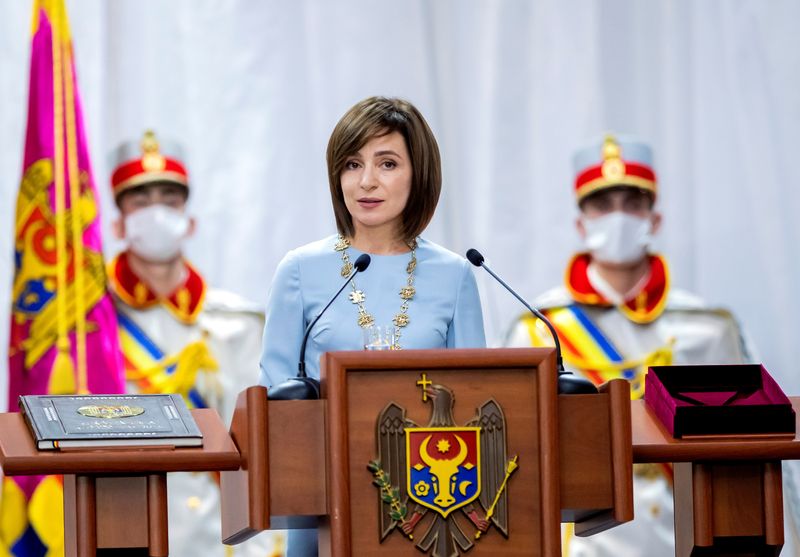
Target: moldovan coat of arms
x=442, y=468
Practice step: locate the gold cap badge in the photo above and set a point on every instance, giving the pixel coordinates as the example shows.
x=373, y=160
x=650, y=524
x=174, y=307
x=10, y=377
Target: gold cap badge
x=152, y=159
x=613, y=167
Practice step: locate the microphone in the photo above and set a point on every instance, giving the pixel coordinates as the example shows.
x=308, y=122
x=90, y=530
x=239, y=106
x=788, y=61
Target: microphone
x=568, y=383
x=303, y=387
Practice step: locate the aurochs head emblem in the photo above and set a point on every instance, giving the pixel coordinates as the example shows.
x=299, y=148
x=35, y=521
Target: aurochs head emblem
x=444, y=467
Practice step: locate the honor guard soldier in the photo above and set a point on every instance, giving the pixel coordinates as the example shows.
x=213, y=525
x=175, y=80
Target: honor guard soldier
x=617, y=314
x=176, y=334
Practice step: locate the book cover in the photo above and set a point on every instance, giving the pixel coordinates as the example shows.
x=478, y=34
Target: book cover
x=92, y=421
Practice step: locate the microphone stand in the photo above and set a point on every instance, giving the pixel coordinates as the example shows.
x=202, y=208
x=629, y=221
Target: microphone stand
x=303, y=387
x=568, y=383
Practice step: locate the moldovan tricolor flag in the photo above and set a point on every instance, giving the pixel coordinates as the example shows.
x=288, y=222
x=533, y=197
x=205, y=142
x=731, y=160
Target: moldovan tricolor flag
x=63, y=326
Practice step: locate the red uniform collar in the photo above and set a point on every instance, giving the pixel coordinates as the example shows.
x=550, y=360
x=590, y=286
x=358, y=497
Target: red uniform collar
x=642, y=307
x=185, y=302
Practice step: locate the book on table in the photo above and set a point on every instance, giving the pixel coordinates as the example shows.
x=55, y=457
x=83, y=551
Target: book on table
x=95, y=421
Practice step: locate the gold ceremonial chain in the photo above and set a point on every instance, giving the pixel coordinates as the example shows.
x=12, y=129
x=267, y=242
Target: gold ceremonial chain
x=365, y=319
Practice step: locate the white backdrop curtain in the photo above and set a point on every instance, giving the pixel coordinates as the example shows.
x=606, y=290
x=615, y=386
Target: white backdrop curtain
x=253, y=89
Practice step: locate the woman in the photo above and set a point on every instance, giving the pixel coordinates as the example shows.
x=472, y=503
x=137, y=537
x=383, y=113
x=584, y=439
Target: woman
x=385, y=178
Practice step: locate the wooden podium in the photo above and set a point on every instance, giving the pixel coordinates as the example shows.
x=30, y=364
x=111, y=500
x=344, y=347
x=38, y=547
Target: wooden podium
x=305, y=463
x=728, y=492
x=115, y=500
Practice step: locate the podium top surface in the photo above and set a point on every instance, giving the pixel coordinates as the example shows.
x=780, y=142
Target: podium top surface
x=653, y=443
x=20, y=457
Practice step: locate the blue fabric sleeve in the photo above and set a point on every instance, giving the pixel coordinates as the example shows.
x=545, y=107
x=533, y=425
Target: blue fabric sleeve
x=284, y=324
x=466, y=329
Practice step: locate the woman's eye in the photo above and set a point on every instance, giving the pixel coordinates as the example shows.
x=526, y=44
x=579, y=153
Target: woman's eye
x=351, y=165
x=389, y=164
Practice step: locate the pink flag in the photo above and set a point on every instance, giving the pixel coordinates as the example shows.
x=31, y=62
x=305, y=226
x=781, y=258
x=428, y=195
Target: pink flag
x=51, y=311
x=63, y=325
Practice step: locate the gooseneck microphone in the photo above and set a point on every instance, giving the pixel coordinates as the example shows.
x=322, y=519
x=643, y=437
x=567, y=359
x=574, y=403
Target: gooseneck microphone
x=303, y=387
x=568, y=383
x=360, y=265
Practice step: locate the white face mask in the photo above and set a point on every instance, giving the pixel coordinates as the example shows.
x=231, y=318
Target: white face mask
x=618, y=237
x=155, y=233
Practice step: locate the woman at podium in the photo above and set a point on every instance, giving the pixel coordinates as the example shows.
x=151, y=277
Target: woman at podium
x=384, y=172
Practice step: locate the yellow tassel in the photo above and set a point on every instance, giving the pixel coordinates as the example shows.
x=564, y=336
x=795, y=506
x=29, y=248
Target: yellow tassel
x=62, y=376
x=193, y=358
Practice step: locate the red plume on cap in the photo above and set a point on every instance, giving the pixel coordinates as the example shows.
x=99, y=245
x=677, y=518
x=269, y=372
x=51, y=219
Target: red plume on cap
x=146, y=162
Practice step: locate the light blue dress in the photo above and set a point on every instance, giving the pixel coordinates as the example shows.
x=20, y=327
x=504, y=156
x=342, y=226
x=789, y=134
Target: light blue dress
x=444, y=313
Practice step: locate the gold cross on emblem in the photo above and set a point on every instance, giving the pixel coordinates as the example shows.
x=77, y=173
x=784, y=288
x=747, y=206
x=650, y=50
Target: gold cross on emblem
x=423, y=384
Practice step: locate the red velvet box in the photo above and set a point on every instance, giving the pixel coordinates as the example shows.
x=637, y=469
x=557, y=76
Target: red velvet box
x=718, y=400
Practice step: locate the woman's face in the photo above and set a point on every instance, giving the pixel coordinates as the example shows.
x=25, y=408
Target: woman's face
x=376, y=183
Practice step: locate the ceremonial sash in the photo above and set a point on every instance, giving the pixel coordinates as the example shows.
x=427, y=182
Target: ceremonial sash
x=156, y=372
x=587, y=350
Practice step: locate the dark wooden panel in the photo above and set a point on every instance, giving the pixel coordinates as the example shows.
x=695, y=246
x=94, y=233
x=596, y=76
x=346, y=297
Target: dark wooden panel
x=585, y=443
x=119, y=499
x=80, y=524
x=773, y=503
x=244, y=492
x=737, y=502
x=157, y=524
x=596, y=458
x=297, y=458
x=619, y=392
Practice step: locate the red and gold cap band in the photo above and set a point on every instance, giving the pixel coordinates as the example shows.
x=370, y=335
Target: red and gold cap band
x=133, y=173
x=147, y=161
x=630, y=174
x=612, y=163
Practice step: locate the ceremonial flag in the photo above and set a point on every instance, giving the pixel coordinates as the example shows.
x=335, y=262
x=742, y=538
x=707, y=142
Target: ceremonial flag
x=63, y=325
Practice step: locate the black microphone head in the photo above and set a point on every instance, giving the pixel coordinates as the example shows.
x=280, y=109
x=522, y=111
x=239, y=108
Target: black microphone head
x=362, y=262
x=569, y=384
x=295, y=388
x=475, y=257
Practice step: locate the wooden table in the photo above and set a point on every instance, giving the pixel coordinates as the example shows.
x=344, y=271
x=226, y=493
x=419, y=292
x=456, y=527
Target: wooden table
x=116, y=498
x=728, y=491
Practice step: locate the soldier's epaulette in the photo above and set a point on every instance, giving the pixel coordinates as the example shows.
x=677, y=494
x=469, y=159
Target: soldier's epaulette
x=224, y=301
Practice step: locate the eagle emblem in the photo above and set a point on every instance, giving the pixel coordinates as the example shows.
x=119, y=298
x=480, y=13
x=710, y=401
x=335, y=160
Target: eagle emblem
x=444, y=469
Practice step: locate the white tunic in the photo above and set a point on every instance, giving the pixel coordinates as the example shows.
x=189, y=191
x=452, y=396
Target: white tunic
x=229, y=328
x=685, y=332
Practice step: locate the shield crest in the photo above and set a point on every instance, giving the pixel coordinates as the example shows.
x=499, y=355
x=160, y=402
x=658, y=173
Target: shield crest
x=443, y=466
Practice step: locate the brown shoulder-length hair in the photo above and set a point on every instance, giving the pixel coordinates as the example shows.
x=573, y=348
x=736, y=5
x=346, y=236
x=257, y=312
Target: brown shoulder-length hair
x=375, y=117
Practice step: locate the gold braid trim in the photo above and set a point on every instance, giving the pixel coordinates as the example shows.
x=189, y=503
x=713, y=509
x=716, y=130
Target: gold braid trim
x=658, y=357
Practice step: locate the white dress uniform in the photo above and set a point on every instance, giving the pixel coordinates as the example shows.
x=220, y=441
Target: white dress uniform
x=204, y=344
x=602, y=340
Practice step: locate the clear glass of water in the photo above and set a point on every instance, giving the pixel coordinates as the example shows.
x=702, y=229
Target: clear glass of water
x=379, y=337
